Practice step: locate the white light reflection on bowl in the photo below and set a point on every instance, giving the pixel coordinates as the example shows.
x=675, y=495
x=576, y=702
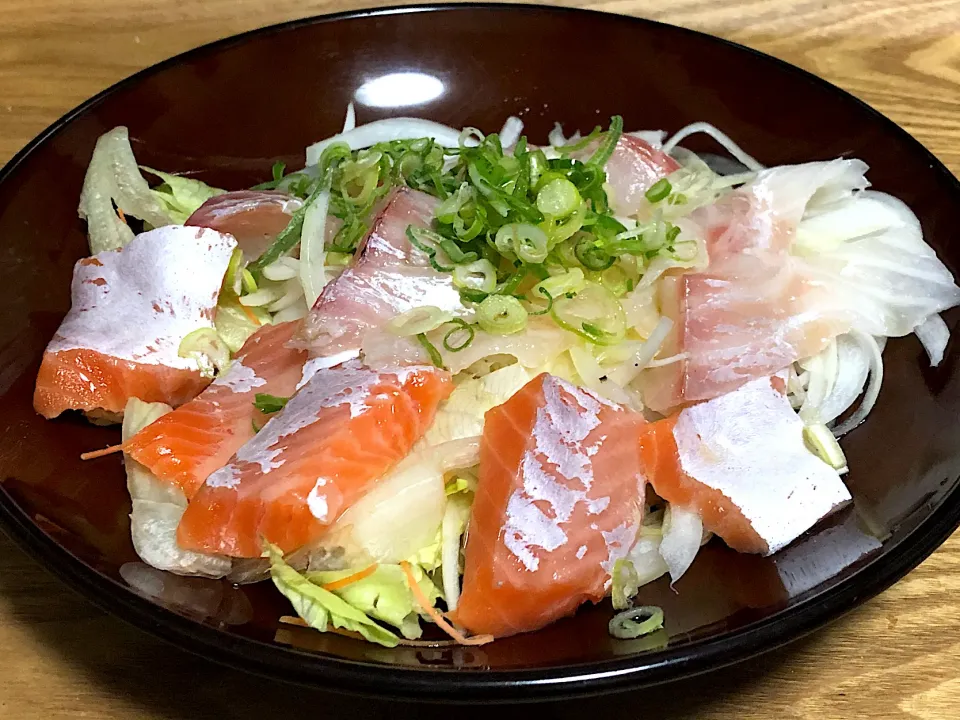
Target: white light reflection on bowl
x=399, y=90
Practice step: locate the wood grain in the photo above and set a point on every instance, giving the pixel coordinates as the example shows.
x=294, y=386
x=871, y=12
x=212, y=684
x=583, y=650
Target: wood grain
x=896, y=657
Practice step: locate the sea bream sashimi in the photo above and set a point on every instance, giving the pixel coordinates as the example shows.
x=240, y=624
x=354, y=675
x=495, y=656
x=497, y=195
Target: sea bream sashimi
x=632, y=169
x=796, y=257
x=131, y=309
x=559, y=501
x=253, y=217
x=389, y=276
x=342, y=430
x=184, y=446
x=740, y=462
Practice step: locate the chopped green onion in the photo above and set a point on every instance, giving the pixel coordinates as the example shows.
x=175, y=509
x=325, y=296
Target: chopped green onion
x=608, y=144
x=338, y=259
x=636, y=622
x=268, y=404
x=454, y=252
x=232, y=279
x=591, y=254
x=418, y=320
x=616, y=280
x=435, y=357
x=624, y=583
x=569, y=227
x=558, y=198
x=658, y=191
x=247, y=281
x=509, y=286
x=527, y=242
x=474, y=296
x=461, y=326
x=819, y=438
x=572, y=281
x=594, y=314
x=541, y=291
x=479, y=275
x=501, y=315
x=206, y=347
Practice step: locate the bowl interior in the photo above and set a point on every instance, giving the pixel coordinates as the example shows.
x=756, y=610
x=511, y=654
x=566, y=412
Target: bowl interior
x=228, y=112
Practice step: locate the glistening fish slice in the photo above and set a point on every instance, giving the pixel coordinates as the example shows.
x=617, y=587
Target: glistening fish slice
x=388, y=277
x=559, y=500
x=339, y=433
x=740, y=461
x=183, y=447
x=131, y=309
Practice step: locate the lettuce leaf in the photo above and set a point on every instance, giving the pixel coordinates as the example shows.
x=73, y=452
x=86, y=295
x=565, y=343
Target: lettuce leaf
x=181, y=196
x=321, y=608
x=384, y=595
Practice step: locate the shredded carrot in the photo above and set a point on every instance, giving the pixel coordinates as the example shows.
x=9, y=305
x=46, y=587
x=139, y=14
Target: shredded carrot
x=435, y=615
x=123, y=218
x=350, y=579
x=100, y=453
x=250, y=314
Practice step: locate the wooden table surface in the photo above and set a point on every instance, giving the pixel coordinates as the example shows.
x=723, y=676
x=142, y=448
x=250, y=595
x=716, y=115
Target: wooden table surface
x=898, y=656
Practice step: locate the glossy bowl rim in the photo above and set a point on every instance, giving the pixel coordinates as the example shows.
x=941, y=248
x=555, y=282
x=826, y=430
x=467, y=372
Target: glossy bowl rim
x=568, y=680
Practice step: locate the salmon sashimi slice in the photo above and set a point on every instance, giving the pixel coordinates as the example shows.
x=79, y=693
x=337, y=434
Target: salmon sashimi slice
x=756, y=308
x=388, y=277
x=559, y=500
x=339, y=433
x=131, y=309
x=740, y=461
x=632, y=169
x=183, y=447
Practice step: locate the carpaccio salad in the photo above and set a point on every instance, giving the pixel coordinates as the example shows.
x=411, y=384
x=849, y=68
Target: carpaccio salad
x=445, y=377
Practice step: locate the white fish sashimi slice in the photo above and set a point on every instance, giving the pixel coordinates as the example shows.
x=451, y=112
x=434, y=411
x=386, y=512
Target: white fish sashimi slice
x=158, y=507
x=389, y=277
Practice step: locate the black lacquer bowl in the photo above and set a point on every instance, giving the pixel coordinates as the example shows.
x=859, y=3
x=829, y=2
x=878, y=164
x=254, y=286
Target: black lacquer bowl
x=231, y=109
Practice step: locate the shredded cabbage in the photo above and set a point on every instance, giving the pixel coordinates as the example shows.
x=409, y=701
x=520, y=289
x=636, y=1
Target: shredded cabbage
x=321, y=608
x=383, y=595
x=181, y=196
x=158, y=507
x=113, y=177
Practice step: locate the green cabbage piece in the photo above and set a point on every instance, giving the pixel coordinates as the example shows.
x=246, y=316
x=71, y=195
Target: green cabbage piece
x=181, y=196
x=321, y=608
x=384, y=595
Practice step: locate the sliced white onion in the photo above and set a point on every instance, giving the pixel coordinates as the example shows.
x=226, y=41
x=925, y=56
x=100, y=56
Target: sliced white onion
x=279, y=271
x=646, y=559
x=682, y=535
x=451, y=532
x=261, y=297
x=313, y=254
x=510, y=132
x=403, y=128
x=556, y=138
x=875, y=360
x=648, y=350
x=350, y=121
x=295, y=312
x=823, y=373
x=934, y=334
x=292, y=292
x=853, y=367
x=729, y=145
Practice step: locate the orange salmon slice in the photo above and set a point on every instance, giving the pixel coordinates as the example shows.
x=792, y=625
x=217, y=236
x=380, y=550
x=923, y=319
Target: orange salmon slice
x=339, y=433
x=559, y=500
x=740, y=461
x=183, y=447
x=130, y=310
